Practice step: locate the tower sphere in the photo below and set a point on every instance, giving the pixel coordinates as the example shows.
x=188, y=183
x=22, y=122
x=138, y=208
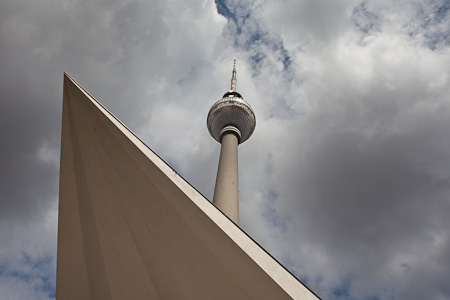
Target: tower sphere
x=233, y=111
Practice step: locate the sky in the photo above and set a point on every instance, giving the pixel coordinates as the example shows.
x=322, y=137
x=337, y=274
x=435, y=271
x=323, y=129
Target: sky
x=346, y=179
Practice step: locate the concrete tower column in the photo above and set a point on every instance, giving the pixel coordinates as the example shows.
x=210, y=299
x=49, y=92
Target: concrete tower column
x=226, y=192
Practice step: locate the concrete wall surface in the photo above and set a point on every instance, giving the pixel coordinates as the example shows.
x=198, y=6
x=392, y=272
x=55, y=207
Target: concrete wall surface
x=131, y=228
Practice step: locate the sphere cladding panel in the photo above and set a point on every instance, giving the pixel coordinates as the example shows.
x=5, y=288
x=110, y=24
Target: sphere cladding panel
x=231, y=110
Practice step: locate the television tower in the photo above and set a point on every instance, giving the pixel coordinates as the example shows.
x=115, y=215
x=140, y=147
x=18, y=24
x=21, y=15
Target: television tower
x=231, y=121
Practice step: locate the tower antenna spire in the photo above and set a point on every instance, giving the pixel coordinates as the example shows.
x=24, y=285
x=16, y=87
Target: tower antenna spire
x=233, y=77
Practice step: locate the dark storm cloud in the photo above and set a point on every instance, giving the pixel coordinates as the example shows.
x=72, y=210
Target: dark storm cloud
x=378, y=188
x=28, y=121
x=24, y=180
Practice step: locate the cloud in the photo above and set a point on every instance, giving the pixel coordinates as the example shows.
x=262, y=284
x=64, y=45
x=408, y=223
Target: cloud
x=27, y=257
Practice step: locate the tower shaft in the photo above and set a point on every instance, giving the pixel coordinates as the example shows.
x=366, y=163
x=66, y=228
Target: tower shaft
x=226, y=193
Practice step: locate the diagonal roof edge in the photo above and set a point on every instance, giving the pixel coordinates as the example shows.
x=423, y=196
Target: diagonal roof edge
x=286, y=280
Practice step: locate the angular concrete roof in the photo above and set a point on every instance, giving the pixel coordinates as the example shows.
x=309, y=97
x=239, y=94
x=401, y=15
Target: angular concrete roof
x=130, y=227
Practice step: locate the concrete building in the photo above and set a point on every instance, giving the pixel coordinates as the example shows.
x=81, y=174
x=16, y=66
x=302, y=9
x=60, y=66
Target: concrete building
x=231, y=121
x=130, y=227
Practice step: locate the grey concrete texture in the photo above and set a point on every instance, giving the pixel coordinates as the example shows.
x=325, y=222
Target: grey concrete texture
x=226, y=192
x=131, y=228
